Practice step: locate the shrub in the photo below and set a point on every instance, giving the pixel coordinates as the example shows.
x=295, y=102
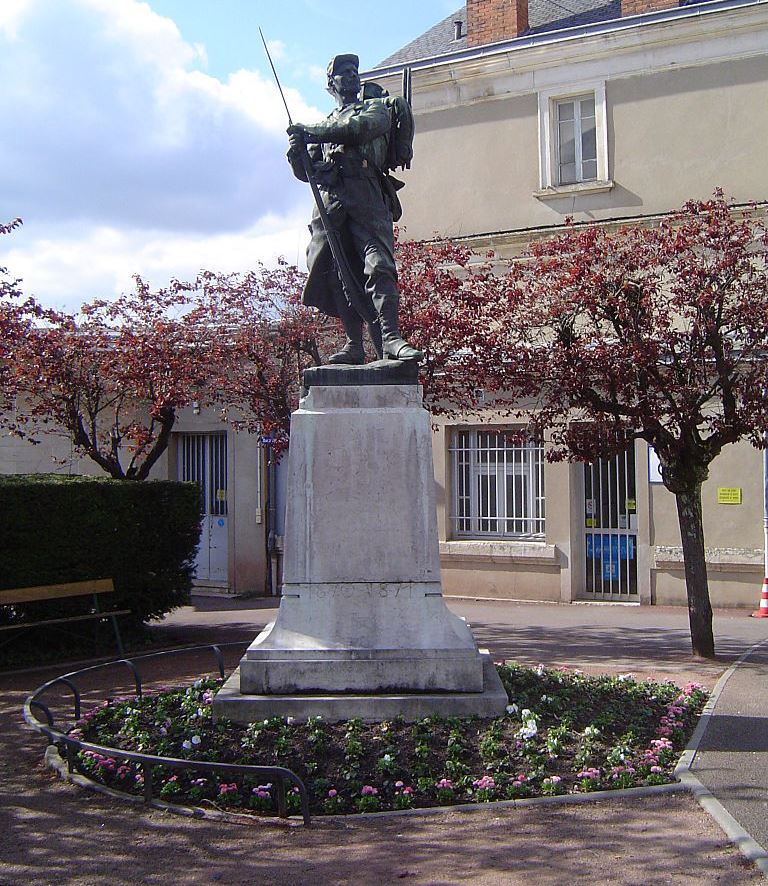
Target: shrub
x=56, y=529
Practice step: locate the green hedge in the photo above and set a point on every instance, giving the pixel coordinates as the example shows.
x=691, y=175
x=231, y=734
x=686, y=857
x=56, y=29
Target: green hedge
x=55, y=529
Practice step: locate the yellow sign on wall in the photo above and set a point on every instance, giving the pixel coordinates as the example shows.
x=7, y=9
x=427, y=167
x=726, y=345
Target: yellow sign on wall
x=729, y=495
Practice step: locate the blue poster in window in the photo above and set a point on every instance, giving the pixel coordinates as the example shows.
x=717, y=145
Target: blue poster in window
x=610, y=570
x=627, y=547
x=609, y=547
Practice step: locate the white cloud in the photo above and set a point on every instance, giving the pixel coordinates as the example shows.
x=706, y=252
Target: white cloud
x=11, y=13
x=276, y=49
x=65, y=269
x=118, y=147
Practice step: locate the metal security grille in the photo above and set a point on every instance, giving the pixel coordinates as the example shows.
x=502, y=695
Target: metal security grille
x=204, y=461
x=498, y=486
x=610, y=519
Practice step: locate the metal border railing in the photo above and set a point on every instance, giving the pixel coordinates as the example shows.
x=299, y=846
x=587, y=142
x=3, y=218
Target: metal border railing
x=279, y=774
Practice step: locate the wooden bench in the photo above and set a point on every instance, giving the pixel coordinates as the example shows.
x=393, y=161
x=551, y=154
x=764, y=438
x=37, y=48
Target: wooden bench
x=93, y=588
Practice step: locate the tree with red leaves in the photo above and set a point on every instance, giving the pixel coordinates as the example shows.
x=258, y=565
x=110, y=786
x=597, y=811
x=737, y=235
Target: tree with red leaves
x=113, y=377
x=14, y=324
x=654, y=332
x=446, y=297
x=273, y=337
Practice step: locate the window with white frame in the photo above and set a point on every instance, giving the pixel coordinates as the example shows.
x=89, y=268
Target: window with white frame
x=576, y=142
x=573, y=141
x=498, y=485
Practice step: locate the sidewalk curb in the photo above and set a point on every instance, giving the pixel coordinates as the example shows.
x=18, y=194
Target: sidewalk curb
x=745, y=842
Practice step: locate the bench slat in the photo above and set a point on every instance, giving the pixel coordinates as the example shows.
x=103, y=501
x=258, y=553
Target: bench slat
x=55, y=592
x=53, y=621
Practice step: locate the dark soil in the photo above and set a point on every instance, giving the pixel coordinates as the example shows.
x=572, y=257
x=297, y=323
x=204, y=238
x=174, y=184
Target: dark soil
x=588, y=733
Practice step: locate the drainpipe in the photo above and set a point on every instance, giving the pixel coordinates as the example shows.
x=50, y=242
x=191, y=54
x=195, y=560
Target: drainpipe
x=765, y=514
x=270, y=579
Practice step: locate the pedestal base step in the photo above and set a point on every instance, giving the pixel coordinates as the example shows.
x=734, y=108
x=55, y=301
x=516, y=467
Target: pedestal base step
x=491, y=702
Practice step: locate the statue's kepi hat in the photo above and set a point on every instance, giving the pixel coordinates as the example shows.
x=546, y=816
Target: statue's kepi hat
x=340, y=60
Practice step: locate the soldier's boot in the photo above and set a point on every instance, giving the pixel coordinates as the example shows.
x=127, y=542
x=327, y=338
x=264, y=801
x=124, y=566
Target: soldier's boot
x=352, y=354
x=394, y=346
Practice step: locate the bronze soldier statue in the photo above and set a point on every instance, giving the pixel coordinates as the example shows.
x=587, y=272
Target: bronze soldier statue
x=351, y=156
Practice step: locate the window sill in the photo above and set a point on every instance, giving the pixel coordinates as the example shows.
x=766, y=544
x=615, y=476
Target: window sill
x=531, y=552
x=556, y=192
x=670, y=558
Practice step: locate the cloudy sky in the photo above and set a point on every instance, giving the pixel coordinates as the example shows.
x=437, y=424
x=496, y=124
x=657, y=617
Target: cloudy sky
x=148, y=137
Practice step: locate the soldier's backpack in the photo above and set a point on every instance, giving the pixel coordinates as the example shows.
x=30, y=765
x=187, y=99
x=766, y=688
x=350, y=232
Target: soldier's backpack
x=401, y=135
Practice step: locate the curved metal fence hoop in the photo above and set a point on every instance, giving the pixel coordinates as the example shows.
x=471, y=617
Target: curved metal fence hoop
x=135, y=671
x=73, y=747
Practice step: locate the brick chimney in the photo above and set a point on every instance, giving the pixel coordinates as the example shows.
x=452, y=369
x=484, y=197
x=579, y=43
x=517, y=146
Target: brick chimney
x=637, y=7
x=489, y=21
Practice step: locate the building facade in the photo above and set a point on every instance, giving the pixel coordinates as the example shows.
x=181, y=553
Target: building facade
x=609, y=113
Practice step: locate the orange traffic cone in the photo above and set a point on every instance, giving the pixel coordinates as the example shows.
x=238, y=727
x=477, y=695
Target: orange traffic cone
x=762, y=612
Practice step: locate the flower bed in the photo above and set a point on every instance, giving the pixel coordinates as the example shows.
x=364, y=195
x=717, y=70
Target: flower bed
x=564, y=732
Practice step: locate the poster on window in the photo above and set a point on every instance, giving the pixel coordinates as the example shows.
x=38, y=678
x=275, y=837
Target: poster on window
x=610, y=570
x=610, y=548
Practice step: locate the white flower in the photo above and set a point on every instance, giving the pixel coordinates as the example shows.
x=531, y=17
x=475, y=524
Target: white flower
x=540, y=670
x=623, y=677
x=526, y=714
x=512, y=708
x=289, y=720
x=187, y=745
x=529, y=730
x=545, y=698
x=196, y=740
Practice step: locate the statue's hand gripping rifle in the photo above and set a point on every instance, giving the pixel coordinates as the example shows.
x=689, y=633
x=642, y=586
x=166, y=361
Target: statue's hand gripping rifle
x=349, y=283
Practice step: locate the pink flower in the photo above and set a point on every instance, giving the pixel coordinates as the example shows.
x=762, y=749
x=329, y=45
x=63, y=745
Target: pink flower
x=333, y=793
x=408, y=791
x=227, y=788
x=485, y=783
x=656, y=769
x=369, y=791
x=445, y=784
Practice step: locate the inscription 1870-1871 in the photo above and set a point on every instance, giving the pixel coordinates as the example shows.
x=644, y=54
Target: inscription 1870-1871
x=404, y=591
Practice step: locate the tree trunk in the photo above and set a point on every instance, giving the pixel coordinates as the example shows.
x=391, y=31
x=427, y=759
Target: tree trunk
x=694, y=558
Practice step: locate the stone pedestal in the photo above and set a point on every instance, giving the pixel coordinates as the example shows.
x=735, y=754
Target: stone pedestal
x=362, y=629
